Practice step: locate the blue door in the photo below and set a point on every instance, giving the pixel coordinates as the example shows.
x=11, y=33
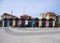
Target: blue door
x=5, y=23
x=33, y=23
x=8, y=23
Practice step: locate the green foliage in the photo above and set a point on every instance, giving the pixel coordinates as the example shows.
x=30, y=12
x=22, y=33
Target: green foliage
x=57, y=24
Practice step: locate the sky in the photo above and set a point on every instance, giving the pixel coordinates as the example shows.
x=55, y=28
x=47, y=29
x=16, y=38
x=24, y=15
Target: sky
x=29, y=7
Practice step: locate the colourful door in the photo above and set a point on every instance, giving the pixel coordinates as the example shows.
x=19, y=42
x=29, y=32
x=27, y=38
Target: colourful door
x=33, y=23
x=47, y=23
x=26, y=22
x=13, y=23
x=8, y=23
x=51, y=23
x=5, y=23
x=19, y=23
x=43, y=23
x=40, y=23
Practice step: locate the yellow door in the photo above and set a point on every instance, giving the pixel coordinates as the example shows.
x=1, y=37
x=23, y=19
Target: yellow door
x=40, y=23
x=14, y=23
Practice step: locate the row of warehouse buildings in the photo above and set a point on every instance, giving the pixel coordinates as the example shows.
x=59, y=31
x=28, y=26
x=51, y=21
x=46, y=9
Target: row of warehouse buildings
x=46, y=20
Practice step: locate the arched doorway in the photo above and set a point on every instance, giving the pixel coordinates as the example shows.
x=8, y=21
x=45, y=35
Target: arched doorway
x=16, y=22
x=5, y=22
x=19, y=22
x=30, y=22
x=23, y=22
x=36, y=22
x=51, y=22
x=43, y=22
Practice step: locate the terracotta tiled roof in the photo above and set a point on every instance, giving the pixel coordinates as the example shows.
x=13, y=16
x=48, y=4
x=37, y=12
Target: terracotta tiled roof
x=51, y=13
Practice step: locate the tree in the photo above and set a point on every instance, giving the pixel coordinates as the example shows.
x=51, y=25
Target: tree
x=57, y=24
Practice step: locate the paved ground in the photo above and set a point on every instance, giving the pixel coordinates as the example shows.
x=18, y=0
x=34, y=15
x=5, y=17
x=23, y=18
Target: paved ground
x=8, y=35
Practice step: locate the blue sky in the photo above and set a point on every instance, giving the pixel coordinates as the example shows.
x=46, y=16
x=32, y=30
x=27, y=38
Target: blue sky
x=30, y=7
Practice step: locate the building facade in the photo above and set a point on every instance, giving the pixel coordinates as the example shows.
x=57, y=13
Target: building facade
x=58, y=18
x=8, y=19
x=46, y=20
